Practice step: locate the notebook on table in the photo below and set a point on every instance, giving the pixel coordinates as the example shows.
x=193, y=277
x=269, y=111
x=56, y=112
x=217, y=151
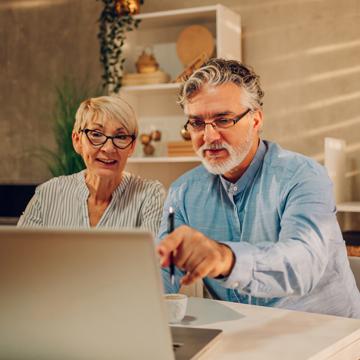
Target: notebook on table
x=93, y=294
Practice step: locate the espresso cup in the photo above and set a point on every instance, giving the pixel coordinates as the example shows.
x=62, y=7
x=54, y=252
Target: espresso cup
x=176, y=307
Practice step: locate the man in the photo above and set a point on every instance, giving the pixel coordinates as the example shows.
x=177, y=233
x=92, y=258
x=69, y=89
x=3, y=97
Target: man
x=256, y=222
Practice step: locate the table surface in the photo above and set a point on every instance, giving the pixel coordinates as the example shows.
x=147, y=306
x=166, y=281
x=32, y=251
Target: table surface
x=254, y=332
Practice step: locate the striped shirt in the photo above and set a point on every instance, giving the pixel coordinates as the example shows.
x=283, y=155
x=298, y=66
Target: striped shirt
x=62, y=202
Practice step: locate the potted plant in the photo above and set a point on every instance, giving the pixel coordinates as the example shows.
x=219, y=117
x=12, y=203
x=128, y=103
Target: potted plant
x=64, y=160
x=115, y=20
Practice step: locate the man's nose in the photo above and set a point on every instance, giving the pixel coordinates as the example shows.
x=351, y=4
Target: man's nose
x=210, y=133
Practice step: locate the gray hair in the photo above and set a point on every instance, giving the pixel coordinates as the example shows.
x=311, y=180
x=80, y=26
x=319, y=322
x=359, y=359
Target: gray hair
x=105, y=108
x=219, y=71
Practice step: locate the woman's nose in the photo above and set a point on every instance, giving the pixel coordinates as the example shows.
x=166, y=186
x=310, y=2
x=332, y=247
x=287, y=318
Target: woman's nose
x=108, y=146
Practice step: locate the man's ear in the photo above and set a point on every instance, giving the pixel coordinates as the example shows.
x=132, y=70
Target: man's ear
x=76, y=141
x=258, y=120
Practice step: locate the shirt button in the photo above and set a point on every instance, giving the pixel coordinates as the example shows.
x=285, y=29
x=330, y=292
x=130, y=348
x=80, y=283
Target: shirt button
x=234, y=188
x=235, y=285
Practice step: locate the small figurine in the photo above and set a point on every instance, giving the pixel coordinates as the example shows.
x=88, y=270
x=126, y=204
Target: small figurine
x=147, y=71
x=156, y=135
x=146, y=139
x=185, y=134
x=146, y=63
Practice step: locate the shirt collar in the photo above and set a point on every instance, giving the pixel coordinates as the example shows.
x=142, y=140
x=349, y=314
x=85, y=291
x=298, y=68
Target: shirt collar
x=84, y=191
x=125, y=181
x=249, y=174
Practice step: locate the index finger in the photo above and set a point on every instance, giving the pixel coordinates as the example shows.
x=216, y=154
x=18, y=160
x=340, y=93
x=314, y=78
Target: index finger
x=169, y=244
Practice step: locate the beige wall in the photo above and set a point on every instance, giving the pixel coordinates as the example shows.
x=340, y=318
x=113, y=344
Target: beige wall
x=306, y=51
x=41, y=41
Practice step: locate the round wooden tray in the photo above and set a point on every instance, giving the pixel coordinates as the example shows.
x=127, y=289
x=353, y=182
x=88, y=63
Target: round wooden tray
x=193, y=41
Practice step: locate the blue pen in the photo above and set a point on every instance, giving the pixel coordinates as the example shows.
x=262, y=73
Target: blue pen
x=170, y=230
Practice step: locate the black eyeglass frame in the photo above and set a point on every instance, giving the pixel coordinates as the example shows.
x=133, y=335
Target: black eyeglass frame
x=86, y=131
x=212, y=123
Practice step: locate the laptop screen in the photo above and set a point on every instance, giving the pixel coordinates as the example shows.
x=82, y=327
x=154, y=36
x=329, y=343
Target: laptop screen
x=86, y=294
x=81, y=294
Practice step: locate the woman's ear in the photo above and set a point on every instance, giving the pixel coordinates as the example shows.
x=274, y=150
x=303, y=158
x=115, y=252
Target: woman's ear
x=132, y=148
x=76, y=141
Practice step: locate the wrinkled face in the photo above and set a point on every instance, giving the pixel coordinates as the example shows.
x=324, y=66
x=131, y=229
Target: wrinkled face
x=222, y=150
x=103, y=160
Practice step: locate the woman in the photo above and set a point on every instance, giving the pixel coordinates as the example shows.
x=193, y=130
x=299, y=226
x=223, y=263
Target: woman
x=102, y=195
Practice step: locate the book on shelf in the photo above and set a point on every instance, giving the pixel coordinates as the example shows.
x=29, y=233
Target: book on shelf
x=180, y=148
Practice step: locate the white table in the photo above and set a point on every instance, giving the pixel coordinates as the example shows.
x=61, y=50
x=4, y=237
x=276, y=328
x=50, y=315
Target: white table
x=259, y=333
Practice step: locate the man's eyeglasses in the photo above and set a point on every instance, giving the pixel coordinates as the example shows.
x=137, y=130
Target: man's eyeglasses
x=220, y=123
x=97, y=138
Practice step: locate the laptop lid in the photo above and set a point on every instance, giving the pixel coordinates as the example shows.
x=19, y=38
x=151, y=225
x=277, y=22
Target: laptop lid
x=81, y=294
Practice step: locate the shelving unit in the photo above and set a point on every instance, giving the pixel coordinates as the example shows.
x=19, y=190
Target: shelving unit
x=163, y=159
x=155, y=104
x=344, y=210
x=350, y=206
x=153, y=87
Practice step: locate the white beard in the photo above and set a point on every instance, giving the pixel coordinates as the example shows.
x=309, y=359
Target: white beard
x=237, y=154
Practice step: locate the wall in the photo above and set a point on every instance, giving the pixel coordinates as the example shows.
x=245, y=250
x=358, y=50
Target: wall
x=41, y=41
x=306, y=51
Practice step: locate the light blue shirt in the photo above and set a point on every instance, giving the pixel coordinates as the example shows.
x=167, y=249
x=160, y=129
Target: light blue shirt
x=280, y=221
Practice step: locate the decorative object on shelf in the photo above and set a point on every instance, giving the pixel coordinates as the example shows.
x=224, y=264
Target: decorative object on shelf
x=148, y=71
x=146, y=63
x=157, y=77
x=196, y=64
x=146, y=139
x=185, y=134
x=127, y=6
x=115, y=20
x=193, y=41
x=194, y=46
x=180, y=148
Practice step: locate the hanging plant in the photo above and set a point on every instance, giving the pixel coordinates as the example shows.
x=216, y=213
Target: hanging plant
x=115, y=20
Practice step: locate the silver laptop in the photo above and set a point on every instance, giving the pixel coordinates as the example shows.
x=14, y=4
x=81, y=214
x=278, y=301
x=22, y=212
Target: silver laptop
x=86, y=295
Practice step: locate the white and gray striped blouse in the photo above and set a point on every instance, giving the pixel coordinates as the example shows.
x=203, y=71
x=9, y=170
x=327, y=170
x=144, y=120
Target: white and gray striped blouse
x=62, y=202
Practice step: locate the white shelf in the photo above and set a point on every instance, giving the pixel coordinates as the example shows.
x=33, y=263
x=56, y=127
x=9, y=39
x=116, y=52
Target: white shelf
x=351, y=206
x=151, y=87
x=178, y=17
x=163, y=159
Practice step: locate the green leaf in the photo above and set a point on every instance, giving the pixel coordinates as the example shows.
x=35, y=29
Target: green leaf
x=64, y=160
x=111, y=35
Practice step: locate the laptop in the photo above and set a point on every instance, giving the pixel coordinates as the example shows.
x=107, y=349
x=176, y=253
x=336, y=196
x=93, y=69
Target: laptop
x=87, y=294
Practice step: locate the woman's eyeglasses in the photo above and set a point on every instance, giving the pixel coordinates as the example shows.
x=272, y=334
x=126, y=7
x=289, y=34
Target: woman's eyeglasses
x=97, y=138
